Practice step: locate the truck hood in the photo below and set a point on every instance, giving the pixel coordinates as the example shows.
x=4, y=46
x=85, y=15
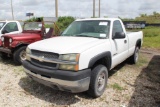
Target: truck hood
x=22, y=35
x=64, y=45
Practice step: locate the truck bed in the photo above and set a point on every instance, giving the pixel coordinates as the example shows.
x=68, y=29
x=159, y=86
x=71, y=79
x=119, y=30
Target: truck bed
x=129, y=32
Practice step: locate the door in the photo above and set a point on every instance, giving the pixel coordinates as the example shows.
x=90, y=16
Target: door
x=10, y=28
x=119, y=46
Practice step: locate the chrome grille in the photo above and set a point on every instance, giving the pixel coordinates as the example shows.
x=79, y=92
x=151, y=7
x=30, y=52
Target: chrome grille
x=48, y=55
x=6, y=42
x=43, y=64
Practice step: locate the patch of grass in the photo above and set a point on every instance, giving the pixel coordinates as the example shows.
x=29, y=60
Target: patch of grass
x=152, y=42
x=151, y=37
x=116, y=86
x=151, y=31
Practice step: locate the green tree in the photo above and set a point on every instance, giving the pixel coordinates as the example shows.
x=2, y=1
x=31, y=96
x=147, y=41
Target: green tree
x=34, y=19
x=64, y=22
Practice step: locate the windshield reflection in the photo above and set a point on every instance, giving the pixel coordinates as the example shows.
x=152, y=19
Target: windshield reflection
x=89, y=28
x=33, y=26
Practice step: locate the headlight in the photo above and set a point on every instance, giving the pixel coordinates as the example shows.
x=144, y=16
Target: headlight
x=28, y=51
x=2, y=39
x=10, y=40
x=71, y=58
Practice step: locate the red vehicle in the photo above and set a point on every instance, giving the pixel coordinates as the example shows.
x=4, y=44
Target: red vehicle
x=14, y=45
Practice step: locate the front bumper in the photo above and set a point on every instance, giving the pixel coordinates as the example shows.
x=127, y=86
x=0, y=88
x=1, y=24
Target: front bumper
x=59, y=79
x=5, y=50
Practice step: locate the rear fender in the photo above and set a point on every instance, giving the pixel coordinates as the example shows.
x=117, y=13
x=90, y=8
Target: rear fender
x=139, y=43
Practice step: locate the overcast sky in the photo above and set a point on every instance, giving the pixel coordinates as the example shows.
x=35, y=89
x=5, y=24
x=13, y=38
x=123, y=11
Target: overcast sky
x=77, y=8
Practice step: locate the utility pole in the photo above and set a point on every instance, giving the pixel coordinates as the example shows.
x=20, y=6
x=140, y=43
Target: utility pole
x=99, y=8
x=93, y=8
x=56, y=8
x=12, y=10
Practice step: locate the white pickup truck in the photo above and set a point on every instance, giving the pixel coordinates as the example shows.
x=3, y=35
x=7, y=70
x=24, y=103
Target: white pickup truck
x=80, y=59
x=10, y=27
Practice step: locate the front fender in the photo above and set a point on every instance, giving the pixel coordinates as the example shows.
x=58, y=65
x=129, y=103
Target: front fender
x=18, y=43
x=105, y=55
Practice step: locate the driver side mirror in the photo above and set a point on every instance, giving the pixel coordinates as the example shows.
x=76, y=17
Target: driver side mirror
x=119, y=35
x=4, y=31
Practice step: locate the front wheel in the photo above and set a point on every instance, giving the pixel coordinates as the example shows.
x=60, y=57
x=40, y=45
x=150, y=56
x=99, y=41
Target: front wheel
x=19, y=55
x=98, y=81
x=4, y=56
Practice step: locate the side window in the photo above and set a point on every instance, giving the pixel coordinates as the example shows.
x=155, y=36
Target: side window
x=117, y=27
x=10, y=27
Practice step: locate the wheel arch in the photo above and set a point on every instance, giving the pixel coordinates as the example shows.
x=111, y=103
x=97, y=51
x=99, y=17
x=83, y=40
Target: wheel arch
x=19, y=45
x=139, y=43
x=102, y=58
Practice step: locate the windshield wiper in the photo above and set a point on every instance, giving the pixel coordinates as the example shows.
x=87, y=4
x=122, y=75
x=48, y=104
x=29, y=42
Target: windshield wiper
x=80, y=35
x=67, y=35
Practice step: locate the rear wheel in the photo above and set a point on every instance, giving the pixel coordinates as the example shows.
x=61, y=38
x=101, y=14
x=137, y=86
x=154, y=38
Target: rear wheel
x=134, y=58
x=19, y=55
x=98, y=81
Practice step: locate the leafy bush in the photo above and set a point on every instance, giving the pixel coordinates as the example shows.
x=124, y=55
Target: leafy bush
x=34, y=19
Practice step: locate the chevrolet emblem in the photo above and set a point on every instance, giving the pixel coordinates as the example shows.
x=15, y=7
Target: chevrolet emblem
x=41, y=58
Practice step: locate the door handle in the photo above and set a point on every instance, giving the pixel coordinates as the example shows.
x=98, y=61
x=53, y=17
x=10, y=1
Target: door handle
x=125, y=41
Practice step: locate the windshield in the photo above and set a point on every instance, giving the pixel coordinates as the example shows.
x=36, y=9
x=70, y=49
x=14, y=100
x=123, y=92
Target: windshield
x=33, y=26
x=90, y=28
x=2, y=24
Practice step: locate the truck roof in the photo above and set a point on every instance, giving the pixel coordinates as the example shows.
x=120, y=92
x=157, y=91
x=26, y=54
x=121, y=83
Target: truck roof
x=111, y=19
x=8, y=21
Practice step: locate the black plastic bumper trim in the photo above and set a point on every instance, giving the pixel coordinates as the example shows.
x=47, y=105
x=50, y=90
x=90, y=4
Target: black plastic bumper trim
x=58, y=74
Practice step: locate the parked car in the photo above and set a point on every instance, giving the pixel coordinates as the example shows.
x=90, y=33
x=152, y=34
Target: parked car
x=80, y=59
x=10, y=27
x=15, y=44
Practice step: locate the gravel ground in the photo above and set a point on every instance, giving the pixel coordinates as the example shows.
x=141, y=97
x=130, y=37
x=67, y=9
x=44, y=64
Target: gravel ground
x=128, y=86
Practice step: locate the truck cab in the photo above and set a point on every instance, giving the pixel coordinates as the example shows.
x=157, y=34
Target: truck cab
x=15, y=44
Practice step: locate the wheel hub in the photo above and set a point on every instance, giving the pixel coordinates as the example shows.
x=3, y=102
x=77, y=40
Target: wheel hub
x=136, y=55
x=101, y=81
x=23, y=55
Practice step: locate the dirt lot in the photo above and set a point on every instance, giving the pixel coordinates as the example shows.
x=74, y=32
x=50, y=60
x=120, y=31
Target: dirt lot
x=128, y=86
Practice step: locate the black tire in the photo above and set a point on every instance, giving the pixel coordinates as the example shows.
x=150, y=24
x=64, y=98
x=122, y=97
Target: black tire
x=96, y=88
x=4, y=56
x=19, y=54
x=134, y=58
